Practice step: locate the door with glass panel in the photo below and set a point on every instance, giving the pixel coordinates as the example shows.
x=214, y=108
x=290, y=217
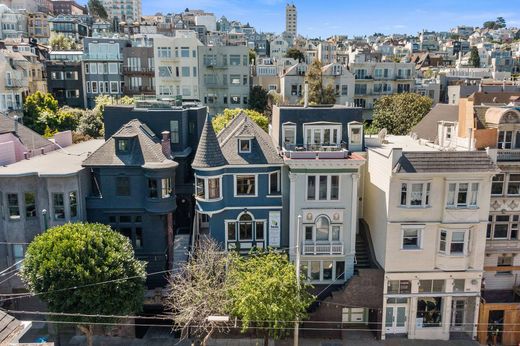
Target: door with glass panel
x=458, y=314
x=396, y=321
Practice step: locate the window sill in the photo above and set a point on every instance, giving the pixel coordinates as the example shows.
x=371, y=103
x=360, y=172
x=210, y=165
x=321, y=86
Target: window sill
x=462, y=208
x=208, y=200
x=452, y=255
x=245, y=196
x=412, y=250
x=414, y=206
x=274, y=195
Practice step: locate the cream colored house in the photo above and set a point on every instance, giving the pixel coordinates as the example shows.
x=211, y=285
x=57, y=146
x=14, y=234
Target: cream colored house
x=176, y=65
x=427, y=211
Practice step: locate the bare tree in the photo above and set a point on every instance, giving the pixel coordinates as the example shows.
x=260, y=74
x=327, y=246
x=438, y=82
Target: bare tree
x=199, y=292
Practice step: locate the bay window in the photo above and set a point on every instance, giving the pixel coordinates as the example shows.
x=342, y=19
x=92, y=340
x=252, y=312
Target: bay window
x=462, y=195
x=214, y=188
x=453, y=242
x=415, y=194
x=324, y=270
x=166, y=187
x=513, y=185
x=200, y=188
x=208, y=188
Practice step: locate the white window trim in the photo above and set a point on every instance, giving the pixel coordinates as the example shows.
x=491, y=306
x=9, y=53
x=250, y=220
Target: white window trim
x=237, y=230
x=468, y=204
x=449, y=234
x=329, y=241
x=425, y=192
x=285, y=126
x=206, y=188
x=322, y=126
x=420, y=229
x=240, y=146
x=235, y=176
x=334, y=274
x=317, y=188
x=279, y=182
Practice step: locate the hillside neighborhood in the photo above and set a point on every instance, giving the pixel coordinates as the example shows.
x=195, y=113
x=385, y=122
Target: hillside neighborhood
x=184, y=178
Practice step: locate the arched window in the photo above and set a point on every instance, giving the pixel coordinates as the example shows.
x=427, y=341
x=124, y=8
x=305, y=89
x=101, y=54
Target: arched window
x=245, y=226
x=322, y=229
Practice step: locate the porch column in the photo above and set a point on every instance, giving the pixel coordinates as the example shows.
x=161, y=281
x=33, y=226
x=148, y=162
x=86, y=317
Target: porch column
x=293, y=219
x=474, y=329
x=354, y=218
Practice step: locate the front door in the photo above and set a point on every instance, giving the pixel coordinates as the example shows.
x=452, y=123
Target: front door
x=458, y=314
x=396, y=319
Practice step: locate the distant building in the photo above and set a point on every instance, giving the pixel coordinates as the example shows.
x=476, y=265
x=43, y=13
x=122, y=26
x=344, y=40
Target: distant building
x=223, y=77
x=29, y=6
x=138, y=67
x=68, y=7
x=65, y=79
x=12, y=24
x=38, y=26
x=102, y=61
x=124, y=10
x=291, y=19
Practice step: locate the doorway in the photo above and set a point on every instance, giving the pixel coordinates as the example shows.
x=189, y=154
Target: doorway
x=396, y=321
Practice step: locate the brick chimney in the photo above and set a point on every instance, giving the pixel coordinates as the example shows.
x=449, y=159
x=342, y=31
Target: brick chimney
x=165, y=143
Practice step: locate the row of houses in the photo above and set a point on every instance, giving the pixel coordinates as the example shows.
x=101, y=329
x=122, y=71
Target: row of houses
x=410, y=235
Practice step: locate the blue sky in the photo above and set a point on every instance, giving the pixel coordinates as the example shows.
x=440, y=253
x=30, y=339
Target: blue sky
x=352, y=17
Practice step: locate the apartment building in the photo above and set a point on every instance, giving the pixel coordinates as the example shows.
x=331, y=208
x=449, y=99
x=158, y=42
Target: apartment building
x=14, y=85
x=75, y=27
x=322, y=149
x=427, y=213
x=375, y=79
x=138, y=67
x=102, y=66
x=65, y=78
x=176, y=65
x=68, y=7
x=292, y=82
x=266, y=72
x=326, y=52
x=12, y=24
x=123, y=10
x=223, y=77
x=291, y=19
x=29, y=6
x=278, y=48
x=38, y=27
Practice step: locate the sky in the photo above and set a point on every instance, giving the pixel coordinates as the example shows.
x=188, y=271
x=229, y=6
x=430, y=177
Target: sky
x=351, y=17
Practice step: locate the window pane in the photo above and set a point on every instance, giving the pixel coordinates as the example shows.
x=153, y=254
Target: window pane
x=429, y=311
x=425, y=286
x=451, y=194
x=246, y=185
x=416, y=194
x=73, y=203
x=410, y=239
x=274, y=185
x=311, y=187
x=138, y=237
x=458, y=285
x=335, y=233
x=315, y=270
x=308, y=233
x=259, y=230
x=152, y=188
x=462, y=196
x=322, y=229
x=199, y=189
x=214, y=188
x=231, y=231
x=403, y=194
x=245, y=230
x=30, y=204
x=438, y=285
x=12, y=205
x=327, y=270
x=58, y=206
x=442, y=243
x=392, y=286
x=334, y=187
x=323, y=187
x=340, y=270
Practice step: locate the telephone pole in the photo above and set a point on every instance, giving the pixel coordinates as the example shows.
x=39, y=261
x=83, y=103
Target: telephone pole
x=297, y=265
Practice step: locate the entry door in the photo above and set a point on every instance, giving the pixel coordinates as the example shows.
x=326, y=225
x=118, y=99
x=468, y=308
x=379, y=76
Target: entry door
x=396, y=319
x=458, y=314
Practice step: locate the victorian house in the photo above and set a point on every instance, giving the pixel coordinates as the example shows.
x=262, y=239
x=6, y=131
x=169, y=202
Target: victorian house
x=239, y=183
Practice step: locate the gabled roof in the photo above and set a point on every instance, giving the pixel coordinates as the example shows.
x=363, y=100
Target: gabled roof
x=30, y=139
x=145, y=149
x=445, y=162
x=427, y=127
x=208, y=152
x=263, y=150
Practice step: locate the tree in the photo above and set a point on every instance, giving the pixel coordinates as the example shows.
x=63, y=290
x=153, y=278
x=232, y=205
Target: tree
x=499, y=23
x=33, y=107
x=61, y=42
x=85, y=269
x=221, y=120
x=91, y=124
x=318, y=94
x=97, y=9
x=199, y=290
x=398, y=113
x=295, y=53
x=257, y=99
x=264, y=292
x=252, y=56
x=474, y=57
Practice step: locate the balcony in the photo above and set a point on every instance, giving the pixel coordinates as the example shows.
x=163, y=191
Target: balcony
x=363, y=77
x=335, y=248
x=139, y=91
x=215, y=85
x=144, y=71
x=102, y=57
x=504, y=155
x=215, y=65
x=316, y=151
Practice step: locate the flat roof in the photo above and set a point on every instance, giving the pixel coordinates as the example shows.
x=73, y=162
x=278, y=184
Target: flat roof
x=406, y=143
x=60, y=162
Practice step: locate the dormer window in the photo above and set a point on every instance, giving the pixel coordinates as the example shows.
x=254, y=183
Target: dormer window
x=244, y=146
x=123, y=146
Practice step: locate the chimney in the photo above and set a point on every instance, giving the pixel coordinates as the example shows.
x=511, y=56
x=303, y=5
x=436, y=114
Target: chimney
x=165, y=143
x=306, y=94
x=15, y=124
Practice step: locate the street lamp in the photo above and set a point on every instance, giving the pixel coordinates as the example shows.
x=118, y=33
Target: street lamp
x=297, y=265
x=44, y=214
